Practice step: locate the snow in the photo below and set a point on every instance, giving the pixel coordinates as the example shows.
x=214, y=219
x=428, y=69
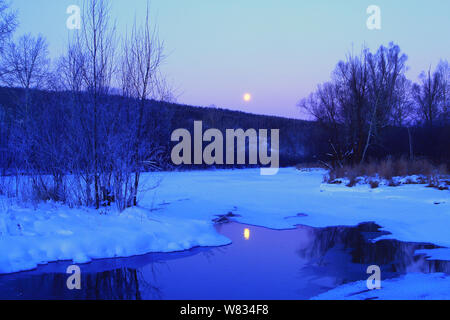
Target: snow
x=440, y=181
x=412, y=286
x=178, y=215
x=56, y=233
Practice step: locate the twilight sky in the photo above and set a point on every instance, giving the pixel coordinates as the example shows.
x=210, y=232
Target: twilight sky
x=276, y=50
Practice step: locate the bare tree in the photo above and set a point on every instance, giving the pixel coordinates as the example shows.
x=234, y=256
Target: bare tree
x=443, y=69
x=342, y=106
x=352, y=79
x=8, y=22
x=27, y=66
x=357, y=104
x=324, y=106
x=385, y=69
x=427, y=95
x=27, y=62
x=111, y=141
x=142, y=81
x=403, y=113
x=95, y=46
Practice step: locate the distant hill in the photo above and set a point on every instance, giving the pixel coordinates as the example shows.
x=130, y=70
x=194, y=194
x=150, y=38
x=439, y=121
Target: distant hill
x=300, y=140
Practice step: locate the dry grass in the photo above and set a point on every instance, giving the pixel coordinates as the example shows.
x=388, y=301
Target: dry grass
x=387, y=170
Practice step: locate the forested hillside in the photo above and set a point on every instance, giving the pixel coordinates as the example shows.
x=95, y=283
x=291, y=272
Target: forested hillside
x=300, y=141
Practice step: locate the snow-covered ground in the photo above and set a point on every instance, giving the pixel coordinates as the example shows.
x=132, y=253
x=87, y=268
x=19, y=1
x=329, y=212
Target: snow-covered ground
x=412, y=286
x=178, y=215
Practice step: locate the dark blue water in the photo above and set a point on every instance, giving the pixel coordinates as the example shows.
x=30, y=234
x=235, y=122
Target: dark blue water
x=259, y=264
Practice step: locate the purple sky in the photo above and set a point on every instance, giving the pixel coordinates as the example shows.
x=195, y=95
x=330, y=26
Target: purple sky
x=278, y=51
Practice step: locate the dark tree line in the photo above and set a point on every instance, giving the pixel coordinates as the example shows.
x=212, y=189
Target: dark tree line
x=368, y=93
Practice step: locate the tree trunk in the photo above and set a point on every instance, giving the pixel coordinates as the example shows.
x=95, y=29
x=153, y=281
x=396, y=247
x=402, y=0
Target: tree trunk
x=411, y=153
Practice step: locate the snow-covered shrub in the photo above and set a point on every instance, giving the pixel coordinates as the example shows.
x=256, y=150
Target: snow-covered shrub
x=388, y=171
x=374, y=184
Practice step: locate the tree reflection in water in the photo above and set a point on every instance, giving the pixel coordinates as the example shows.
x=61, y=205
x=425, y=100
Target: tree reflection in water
x=118, y=284
x=260, y=264
x=392, y=256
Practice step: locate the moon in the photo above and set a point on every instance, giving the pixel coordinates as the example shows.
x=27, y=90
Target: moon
x=247, y=97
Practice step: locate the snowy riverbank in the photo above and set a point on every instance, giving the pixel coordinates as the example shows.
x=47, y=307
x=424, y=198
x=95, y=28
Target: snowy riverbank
x=178, y=215
x=412, y=286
